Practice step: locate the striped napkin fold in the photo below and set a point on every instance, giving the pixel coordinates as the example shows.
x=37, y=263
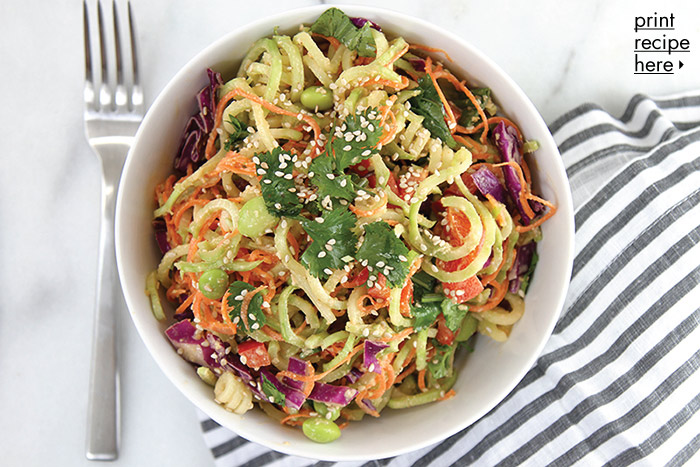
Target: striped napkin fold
x=617, y=381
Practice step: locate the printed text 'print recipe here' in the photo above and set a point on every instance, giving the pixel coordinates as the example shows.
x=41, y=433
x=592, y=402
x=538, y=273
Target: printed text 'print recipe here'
x=655, y=43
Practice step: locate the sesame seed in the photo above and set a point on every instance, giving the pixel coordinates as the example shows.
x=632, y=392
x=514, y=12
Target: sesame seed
x=328, y=271
x=321, y=254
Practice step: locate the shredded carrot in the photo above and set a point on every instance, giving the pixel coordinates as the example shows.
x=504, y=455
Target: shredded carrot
x=258, y=100
x=301, y=327
x=164, y=189
x=498, y=293
x=331, y=40
x=381, y=387
x=430, y=49
x=308, y=385
x=177, y=216
x=452, y=122
x=266, y=256
x=293, y=245
x=393, y=129
x=388, y=372
x=524, y=188
x=448, y=395
x=225, y=308
x=462, y=87
x=183, y=306
x=286, y=420
x=468, y=142
x=408, y=371
x=421, y=380
x=398, y=55
x=539, y=221
x=236, y=163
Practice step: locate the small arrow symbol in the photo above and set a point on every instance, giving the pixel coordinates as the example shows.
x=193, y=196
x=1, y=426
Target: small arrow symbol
x=680, y=64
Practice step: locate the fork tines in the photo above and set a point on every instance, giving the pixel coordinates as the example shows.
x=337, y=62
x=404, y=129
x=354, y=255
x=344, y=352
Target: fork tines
x=111, y=73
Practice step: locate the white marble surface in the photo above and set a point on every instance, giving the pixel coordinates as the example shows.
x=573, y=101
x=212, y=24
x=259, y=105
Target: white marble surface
x=561, y=53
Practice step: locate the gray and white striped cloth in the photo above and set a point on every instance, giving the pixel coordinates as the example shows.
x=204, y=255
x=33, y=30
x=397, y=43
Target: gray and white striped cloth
x=617, y=382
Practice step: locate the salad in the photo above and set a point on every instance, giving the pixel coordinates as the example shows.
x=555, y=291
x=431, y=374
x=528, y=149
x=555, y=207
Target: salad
x=344, y=215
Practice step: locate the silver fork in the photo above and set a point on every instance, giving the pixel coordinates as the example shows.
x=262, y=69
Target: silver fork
x=113, y=111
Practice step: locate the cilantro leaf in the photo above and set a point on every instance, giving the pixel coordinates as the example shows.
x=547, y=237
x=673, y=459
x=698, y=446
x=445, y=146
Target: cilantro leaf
x=426, y=304
x=353, y=142
x=454, y=314
x=332, y=238
x=470, y=116
x=334, y=23
x=271, y=391
x=323, y=175
x=366, y=132
x=429, y=105
x=237, y=291
x=277, y=185
x=441, y=364
x=384, y=252
x=423, y=283
x=425, y=313
x=237, y=135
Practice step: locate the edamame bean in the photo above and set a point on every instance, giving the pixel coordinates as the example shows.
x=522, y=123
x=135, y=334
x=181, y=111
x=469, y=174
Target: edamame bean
x=213, y=283
x=253, y=218
x=317, y=97
x=320, y=430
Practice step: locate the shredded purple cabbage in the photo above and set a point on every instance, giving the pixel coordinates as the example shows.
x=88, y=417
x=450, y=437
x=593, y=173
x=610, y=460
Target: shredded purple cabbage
x=194, y=137
x=488, y=184
x=293, y=397
x=359, y=22
x=353, y=375
x=161, y=233
x=182, y=336
x=506, y=140
x=330, y=394
x=370, y=355
x=369, y=404
x=523, y=259
x=417, y=63
x=297, y=366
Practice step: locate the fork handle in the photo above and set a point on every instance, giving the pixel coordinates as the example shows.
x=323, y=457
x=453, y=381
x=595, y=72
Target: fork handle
x=103, y=396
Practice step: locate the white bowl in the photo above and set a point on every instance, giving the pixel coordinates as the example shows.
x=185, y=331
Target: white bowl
x=493, y=369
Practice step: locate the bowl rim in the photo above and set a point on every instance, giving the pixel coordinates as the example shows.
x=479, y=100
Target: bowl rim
x=565, y=208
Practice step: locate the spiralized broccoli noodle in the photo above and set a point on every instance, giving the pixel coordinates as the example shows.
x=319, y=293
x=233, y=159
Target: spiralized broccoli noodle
x=344, y=215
